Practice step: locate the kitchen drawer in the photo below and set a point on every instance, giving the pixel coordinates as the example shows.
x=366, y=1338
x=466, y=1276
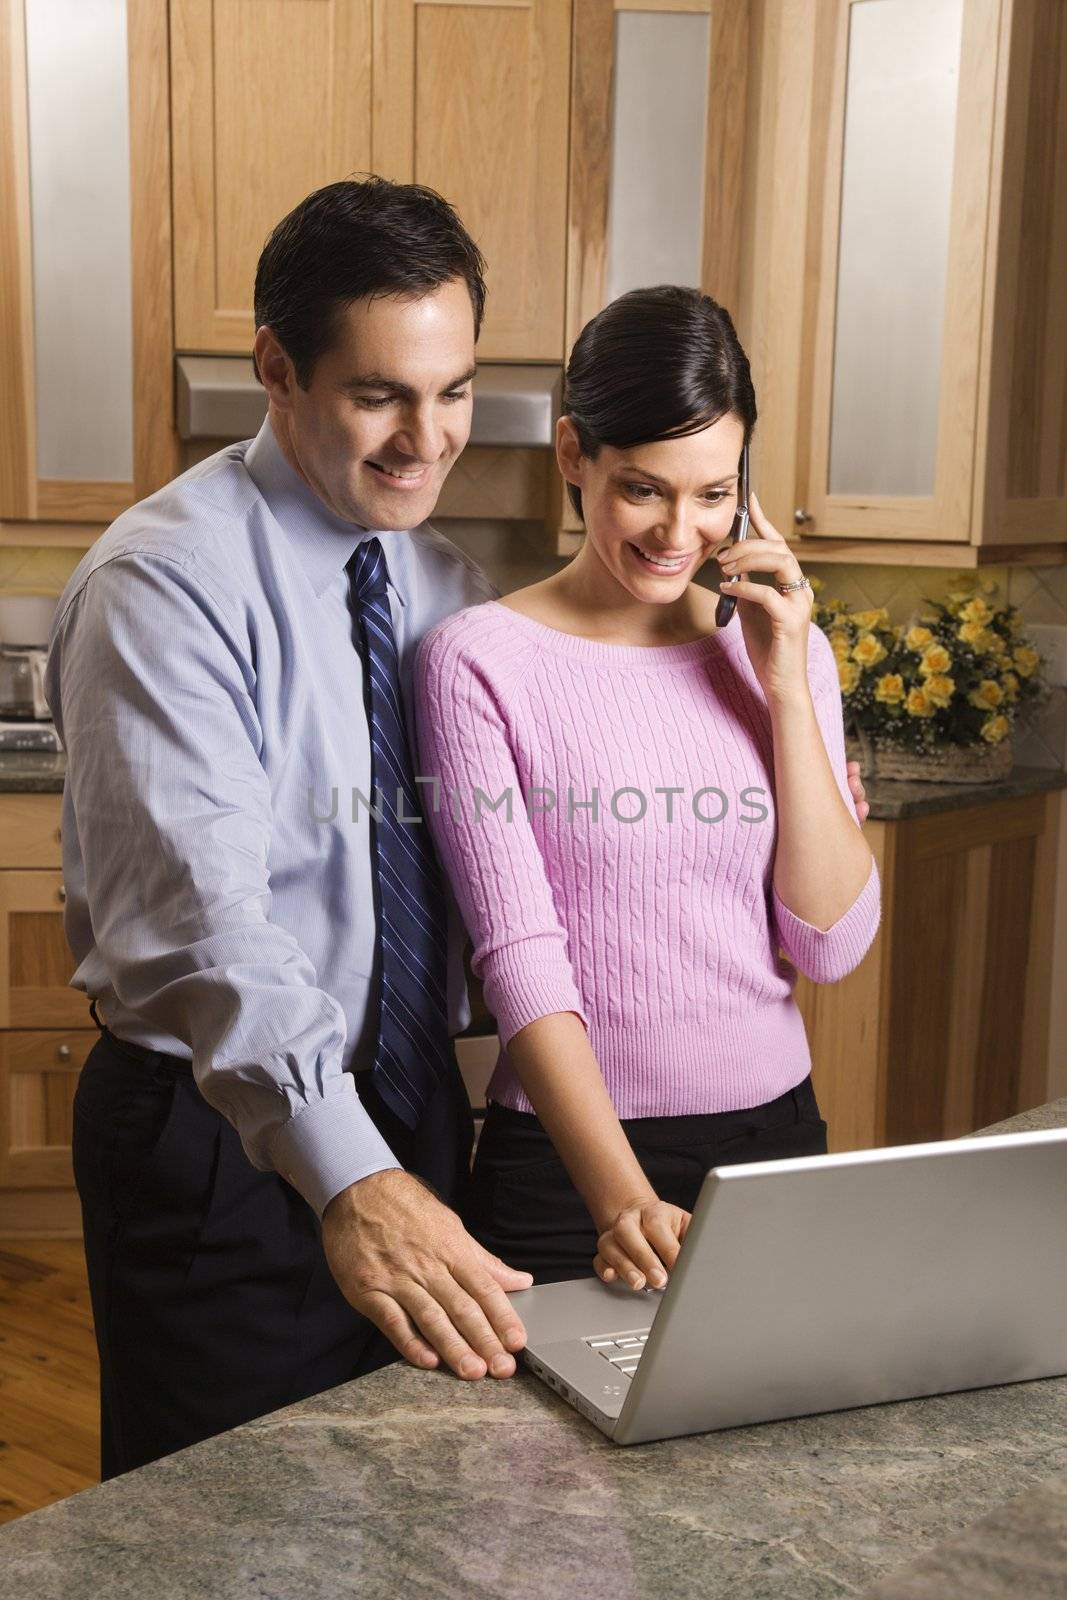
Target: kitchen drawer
x=38, y=1076
x=36, y=964
x=29, y=830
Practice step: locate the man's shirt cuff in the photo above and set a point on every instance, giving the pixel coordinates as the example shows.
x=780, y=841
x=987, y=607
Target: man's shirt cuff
x=332, y=1144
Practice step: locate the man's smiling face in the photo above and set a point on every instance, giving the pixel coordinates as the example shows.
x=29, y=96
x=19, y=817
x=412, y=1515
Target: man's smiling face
x=388, y=408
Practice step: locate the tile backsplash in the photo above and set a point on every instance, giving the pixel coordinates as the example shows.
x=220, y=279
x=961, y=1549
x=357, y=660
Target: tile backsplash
x=514, y=554
x=36, y=571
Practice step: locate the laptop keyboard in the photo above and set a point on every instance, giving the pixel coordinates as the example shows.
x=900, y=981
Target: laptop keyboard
x=623, y=1350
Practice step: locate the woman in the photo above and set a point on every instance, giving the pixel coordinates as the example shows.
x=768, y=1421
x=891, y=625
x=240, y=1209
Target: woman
x=635, y=809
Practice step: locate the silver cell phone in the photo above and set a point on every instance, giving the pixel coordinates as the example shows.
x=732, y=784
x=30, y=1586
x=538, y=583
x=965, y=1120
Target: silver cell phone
x=727, y=605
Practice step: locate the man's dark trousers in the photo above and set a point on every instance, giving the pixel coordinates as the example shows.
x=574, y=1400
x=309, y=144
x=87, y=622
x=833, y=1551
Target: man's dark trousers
x=212, y=1300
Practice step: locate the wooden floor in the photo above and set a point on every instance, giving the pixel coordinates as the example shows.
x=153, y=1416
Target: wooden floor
x=49, y=1383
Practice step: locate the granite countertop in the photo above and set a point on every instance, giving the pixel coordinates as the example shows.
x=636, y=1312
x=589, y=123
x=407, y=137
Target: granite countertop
x=36, y=772
x=414, y=1483
x=892, y=800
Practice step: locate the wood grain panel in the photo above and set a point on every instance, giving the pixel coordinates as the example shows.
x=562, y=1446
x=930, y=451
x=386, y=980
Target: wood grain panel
x=944, y=1026
x=40, y=1213
x=30, y=830
x=921, y=1000
x=35, y=962
x=973, y=827
x=1040, y=974
x=1007, y=923
x=155, y=437
x=778, y=128
x=1022, y=457
x=38, y=1078
x=843, y=1023
x=63, y=500
x=18, y=429
x=497, y=150
x=239, y=164
x=592, y=73
x=40, y=957
x=724, y=198
x=968, y=983
x=590, y=163
x=969, y=936
x=815, y=237
x=1037, y=435
x=48, y=535
x=703, y=6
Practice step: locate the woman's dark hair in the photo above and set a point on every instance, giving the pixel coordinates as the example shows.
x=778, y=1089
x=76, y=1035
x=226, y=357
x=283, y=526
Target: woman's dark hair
x=655, y=364
x=356, y=238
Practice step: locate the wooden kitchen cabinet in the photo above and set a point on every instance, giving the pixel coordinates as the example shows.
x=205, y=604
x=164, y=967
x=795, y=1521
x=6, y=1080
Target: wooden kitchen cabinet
x=38, y=1076
x=943, y=1027
x=35, y=961
x=87, y=419
x=45, y=1029
x=658, y=128
x=468, y=98
x=471, y=99
x=902, y=290
x=268, y=102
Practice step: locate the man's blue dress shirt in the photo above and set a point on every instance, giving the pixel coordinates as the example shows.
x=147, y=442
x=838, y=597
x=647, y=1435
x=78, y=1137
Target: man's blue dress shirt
x=205, y=684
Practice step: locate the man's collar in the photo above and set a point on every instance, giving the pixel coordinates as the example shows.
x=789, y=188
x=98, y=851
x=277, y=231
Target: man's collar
x=323, y=542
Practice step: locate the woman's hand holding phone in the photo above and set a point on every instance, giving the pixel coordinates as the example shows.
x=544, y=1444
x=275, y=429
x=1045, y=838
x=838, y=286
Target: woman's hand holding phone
x=641, y=1245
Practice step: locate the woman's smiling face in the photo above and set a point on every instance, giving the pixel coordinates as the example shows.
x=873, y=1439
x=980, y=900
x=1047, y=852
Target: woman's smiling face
x=656, y=512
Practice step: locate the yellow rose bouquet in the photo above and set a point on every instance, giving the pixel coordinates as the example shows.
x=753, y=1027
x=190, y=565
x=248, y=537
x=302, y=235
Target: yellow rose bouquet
x=956, y=674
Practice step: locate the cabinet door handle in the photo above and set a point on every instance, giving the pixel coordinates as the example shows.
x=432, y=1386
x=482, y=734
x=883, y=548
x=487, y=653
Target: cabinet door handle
x=61, y=892
x=59, y=836
x=63, y=1052
x=802, y=517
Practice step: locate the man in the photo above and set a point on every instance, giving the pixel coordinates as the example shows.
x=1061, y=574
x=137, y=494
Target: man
x=272, y=1125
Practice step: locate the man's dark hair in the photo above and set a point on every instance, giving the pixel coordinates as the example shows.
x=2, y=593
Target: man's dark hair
x=352, y=239
x=655, y=364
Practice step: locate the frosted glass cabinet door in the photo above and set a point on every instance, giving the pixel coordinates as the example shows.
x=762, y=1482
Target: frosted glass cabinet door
x=903, y=241
x=78, y=102
x=656, y=198
x=896, y=196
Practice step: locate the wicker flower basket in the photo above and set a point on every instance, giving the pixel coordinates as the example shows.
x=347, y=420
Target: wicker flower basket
x=948, y=763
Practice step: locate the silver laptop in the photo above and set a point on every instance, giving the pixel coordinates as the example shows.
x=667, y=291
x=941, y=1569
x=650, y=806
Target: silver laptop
x=826, y=1282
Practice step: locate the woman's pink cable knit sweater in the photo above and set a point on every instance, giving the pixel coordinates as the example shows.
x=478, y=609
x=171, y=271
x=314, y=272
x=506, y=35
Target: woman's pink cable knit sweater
x=606, y=816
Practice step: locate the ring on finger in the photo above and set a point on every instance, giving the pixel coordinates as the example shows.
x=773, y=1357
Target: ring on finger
x=788, y=588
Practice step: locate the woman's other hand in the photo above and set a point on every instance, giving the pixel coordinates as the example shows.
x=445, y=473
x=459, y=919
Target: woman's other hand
x=642, y=1243
x=859, y=793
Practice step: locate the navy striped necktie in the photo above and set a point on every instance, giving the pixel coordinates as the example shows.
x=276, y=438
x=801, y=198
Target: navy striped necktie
x=413, y=1050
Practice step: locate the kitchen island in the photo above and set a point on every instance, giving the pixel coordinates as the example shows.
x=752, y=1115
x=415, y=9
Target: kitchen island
x=413, y=1483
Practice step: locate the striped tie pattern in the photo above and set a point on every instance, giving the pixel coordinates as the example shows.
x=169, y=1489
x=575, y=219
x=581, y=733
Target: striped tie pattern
x=413, y=1050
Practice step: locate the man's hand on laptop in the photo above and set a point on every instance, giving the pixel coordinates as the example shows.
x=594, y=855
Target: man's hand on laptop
x=641, y=1245
x=404, y=1259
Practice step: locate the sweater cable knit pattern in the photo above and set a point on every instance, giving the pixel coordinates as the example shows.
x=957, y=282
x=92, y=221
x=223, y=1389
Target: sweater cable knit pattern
x=606, y=815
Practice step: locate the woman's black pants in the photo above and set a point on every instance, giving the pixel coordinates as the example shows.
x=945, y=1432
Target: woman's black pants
x=523, y=1207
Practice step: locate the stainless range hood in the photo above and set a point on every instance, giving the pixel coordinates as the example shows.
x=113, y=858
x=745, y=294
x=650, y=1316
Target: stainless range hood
x=218, y=397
